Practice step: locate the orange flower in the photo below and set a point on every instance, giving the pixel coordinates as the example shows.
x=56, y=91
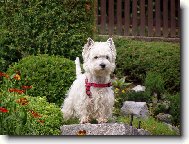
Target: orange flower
x=4, y=110
x=81, y=132
x=26, y=87
x=41, y=121
x=4, y=75
x=17, y=77
x=16, y=90
x=35, y=114
x=11, y=90
x=22, y=101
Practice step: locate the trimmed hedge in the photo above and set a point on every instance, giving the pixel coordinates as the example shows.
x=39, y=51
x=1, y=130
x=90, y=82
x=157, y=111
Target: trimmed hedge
x=136, y=58
x=57, y=27
x=50, y=76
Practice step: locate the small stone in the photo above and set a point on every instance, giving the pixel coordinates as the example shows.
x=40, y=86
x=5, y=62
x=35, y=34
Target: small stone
x=138, y=109
x=139, y=88
x=167, y=118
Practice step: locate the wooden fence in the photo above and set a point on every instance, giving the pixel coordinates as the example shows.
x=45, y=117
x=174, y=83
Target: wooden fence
x=146, y=18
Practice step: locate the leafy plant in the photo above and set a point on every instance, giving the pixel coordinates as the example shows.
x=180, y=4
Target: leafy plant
x=50, y=76
x=154, y=84
x=138, y=96
x=175, y=107
x=120, y=90
x=21, y=114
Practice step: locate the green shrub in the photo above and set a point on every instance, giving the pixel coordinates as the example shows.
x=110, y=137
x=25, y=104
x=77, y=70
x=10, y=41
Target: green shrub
x=175, y=107
x=136, y=58
x=47, y=27
x=154, y=84
x=50, y=76
x=138, y=96
x=21, y=114
x=160, y=108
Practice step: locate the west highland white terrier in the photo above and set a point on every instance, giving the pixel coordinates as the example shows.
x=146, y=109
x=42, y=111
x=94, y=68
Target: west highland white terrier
x=91, y=95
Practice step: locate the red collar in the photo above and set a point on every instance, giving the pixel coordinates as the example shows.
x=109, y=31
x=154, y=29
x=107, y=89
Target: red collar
x=88, y=85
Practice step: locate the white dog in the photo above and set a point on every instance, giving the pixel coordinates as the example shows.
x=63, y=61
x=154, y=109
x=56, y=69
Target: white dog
x=91, y=95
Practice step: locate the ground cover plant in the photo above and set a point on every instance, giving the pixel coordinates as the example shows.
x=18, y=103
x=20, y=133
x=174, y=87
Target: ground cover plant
x=21, y=114
x=151, y=125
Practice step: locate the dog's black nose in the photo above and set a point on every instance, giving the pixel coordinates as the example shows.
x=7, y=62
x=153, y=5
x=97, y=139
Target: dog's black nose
x=102, y=65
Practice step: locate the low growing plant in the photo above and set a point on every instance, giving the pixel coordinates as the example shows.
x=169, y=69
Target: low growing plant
x=151, y=125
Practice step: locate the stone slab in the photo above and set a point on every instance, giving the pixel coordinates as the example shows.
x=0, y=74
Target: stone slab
x=102, y=129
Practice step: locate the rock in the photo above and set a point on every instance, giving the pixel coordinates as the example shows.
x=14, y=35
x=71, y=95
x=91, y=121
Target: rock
x=101, y=129
x=167, y=118
x=143, y=132
x=139, y=88
x=173, y=128
x=138, y=109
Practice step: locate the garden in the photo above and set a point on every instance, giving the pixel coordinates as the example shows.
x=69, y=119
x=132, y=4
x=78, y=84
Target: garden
x=39, y=42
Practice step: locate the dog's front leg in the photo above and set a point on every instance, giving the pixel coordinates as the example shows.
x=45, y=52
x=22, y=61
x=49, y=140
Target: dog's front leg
x=102, y=120
x=84, y=119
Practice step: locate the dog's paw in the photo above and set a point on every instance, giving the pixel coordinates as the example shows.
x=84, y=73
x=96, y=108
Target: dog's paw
x=102, y=120
x=85, y=120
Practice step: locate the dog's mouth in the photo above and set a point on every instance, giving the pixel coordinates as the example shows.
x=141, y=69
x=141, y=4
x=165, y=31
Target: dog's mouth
x=101, y=72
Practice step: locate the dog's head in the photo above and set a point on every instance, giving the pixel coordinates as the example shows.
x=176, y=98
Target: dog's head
x=99, y=57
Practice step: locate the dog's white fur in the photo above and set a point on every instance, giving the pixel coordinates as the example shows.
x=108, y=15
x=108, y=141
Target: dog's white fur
x=100, y=106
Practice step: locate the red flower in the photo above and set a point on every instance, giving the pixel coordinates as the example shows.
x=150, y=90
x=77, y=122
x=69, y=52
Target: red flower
x=26, y=87
x=4, y=75
x=81, y=132
x=35, y=114
x=4, y=110
x=22, y=101
x=16, y=90
x=41, y=121
x=17, y=77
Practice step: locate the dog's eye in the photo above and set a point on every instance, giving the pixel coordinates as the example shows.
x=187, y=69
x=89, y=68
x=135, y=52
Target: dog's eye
x=107, y=57
x=95, y=57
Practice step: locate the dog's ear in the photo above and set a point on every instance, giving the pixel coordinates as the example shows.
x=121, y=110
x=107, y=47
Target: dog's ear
x=112, y=46
x=110, y=42
x=86, y=48
x=90, y=42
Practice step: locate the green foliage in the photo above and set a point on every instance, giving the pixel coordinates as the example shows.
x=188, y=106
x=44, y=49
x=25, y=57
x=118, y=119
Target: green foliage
x=50, y=76
x=120, y=83
x=57, y=27
x=151, y=125
x=135, y=58
x=138, y=96
x=175, y=107
x=154, y=83
x=25, y=115
x=120, y=90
